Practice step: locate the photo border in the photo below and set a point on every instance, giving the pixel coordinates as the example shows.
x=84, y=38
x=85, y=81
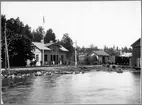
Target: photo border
x=71, y=1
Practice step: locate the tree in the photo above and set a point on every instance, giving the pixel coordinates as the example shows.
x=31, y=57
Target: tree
x=82, y=50
x=126, y=49
x=67, y=42
x=111, y=50
x=49, y=36
x=92, y=46
x=105, y=48
x=38, y=34
x=130, y=49
x=18, y=39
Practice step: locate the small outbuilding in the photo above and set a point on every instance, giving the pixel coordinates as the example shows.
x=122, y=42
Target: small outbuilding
x=101, y=56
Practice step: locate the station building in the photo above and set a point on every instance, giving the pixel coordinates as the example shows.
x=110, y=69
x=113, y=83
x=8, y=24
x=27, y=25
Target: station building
x=49, y=53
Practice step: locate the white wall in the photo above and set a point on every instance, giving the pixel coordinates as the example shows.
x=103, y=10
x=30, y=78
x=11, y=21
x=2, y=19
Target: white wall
x=112, y=59
x=38, y=52
x=106, y=59
x=100, y=59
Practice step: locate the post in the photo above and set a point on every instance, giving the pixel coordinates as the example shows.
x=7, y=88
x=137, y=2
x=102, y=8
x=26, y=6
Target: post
x=6, y=52
x=43, y=54
x=75, y=53
x=5, y=58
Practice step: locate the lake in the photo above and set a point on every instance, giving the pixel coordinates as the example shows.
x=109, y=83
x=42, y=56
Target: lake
x=97, y=87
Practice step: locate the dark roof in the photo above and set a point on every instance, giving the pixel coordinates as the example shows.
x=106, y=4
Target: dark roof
x=54, y=43
x=41, y=46
x=136, y=43
x=101, y=53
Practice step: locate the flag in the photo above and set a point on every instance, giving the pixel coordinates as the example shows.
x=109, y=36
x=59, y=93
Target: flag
x=43, y=20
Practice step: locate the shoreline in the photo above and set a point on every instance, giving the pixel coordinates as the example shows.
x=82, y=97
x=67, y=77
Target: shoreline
x=62, y=68
x=48, y=69
x=42, y=71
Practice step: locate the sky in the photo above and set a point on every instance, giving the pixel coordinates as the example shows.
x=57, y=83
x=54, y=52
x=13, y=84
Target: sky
x=110, y=23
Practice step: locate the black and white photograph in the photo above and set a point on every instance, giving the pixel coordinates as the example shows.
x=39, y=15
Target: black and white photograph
x=71, y=52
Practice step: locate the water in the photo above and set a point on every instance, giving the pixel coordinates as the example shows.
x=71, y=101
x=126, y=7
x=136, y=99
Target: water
x=93, y=87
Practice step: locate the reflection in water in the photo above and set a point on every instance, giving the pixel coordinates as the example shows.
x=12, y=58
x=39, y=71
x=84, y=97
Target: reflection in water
x=92, y=87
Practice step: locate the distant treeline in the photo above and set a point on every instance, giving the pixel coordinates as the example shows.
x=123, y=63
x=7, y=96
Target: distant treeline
x=113, y=51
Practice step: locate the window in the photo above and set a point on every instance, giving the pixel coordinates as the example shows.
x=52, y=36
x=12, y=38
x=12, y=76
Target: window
x=51, y=57
x=62, y=58
x=37, y=57
x=45, y=57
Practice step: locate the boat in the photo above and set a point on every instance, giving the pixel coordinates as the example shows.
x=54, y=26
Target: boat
x=119, y=70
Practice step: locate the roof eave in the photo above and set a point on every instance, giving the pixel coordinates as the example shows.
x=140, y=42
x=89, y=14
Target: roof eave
x=63, y=50
x=135, y=42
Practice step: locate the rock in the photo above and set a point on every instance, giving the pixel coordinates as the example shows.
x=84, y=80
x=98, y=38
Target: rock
x=27, y=74
x=13, y=76
x=80, y=73
x=38, y=73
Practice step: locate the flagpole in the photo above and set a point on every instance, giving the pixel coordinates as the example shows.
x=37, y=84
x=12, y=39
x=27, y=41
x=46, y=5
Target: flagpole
x=6, y=53
x=43, y=41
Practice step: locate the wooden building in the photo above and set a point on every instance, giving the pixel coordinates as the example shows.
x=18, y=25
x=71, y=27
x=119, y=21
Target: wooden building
x=53, y=53
x=81, y=58
x=122, y=59
x=102, y=56
x=135, y=61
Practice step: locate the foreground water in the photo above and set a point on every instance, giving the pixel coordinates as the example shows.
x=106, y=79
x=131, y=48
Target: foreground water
x=93, y=87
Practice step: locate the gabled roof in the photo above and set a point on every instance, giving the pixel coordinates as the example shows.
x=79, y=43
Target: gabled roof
x=47, y=45
x=62, y=48
x=54, y=43
x=101, y=53
x=41, y=46
x=136, y=43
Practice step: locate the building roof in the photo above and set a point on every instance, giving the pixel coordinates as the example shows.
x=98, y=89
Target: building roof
x=126, y=55
x=136, y=43
x=49, y=44
x=54, y=43
x=41, y=46
x=62, y=48
x=101, y=53
x=45, y=46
